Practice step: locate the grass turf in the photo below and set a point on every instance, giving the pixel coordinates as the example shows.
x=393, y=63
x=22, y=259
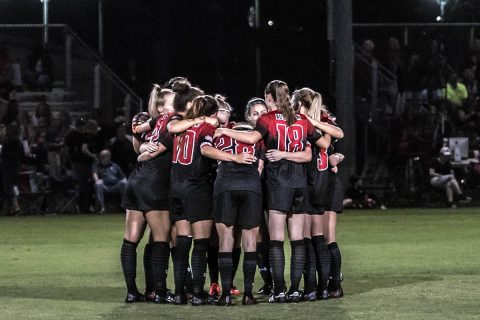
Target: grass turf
x=398, y=264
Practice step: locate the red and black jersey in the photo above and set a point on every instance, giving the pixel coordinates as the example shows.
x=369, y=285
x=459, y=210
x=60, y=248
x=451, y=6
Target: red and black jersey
x=191, y=170
x=277, y=134
x=234, y=176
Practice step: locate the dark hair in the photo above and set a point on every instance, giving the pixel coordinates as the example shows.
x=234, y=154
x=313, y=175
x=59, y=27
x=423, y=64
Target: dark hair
x=184, y=93
x=170, y=83
x=251, y=103
x=280, y=94
x=202, y=106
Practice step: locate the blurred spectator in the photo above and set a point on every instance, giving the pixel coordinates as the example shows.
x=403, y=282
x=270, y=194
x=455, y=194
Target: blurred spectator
x=39, y=70
x=42, y=115
x=108, y=178
x=12, y=113
x=27, y=128
x=54, y=137
x=356, y=197
x=10, y=73
x=80, y=164
x=122, y=150
x=11, y=156
x=455, y=91
x=443, y=178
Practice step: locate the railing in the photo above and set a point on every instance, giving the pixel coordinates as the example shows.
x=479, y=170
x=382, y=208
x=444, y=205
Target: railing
x=79, y=67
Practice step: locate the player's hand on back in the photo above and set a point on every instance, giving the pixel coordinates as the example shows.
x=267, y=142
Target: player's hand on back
x=152, y=147
x=218, y=132
x=245, y=158
x=274, y=155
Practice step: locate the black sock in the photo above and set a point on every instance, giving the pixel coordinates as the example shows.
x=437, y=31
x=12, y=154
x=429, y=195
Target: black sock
x=128, y=258
x=160, y=256
x=236, y=253
x=323, y=260
x=212, y=258
x=262, y=267
x=336, y=264
x=249, y=268
x=180, y=261
x=199, y=264
x=310, y=271
x=297, y=264
x=277, y=262
x=147, y=267
x=225, y=264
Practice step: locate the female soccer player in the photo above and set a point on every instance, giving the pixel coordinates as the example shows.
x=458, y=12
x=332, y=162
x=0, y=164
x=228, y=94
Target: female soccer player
x=144, y=207
x=326, y=196
x=237, y=206
x=255, y=108
x=285, y=136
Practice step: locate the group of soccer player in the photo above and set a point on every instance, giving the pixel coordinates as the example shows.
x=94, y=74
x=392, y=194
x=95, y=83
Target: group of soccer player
x=229, y=186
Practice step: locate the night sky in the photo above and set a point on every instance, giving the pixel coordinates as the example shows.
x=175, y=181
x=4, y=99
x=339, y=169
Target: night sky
x=211, y=42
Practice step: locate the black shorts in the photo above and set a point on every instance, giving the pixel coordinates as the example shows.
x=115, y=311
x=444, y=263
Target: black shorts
x=288, y=200
x=238, y=208
x=198, y=207
x=326, y=194
x=147, y=188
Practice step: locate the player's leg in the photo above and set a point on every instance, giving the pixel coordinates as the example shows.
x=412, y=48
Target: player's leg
x=310, y=271
x=249, y=238
x=212, y=260
x=236, y=253
x=330, y=230
x=322, y=254
x=159, y=223
x=201, y=234
x=263, y=253
x=183, y=242
x=225, y=260
x=134, y=228
x=276, y=228
x=297, y=260
x=148, y=270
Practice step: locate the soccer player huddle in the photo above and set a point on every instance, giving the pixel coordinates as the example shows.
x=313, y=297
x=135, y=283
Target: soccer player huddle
x=229, y=186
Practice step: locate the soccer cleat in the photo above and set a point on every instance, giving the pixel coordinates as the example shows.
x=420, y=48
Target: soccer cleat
x=134, y=297
x=293, y=297
x=149, y=296
x=180, y=298
x=167, y=297
x=248, y=300
x=224, y=301
x=200, y=299
x=312, y=296
x=266, y=290
x=335, y=294
x=214, y=290
x=234, y=291
x=279, y=298
x=322, y=294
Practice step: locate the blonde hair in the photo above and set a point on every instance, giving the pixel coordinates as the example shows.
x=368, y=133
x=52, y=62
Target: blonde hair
x=311, y=100
x=157, y=99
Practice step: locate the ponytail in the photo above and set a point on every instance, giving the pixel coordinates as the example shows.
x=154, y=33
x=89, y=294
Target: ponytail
x=152, y=102
x=315, y=110
x=280, y=94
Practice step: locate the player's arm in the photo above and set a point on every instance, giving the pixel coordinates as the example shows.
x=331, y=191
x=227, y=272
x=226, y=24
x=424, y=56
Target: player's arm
x=149, y=147
x=327, y=128
x=143, y=127
x=249, y=137
x=274, y=155
x=324, y=141
x=136, y=145
x=147, y=155
x=219, y=155
x=178, y=126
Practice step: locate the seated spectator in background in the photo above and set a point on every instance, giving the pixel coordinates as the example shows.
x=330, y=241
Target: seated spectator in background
x=42, y=116
x=455, y=92
x=356, y=197
x=39, y=70
x=443, y=178
x=108, y=178
x=122, y=150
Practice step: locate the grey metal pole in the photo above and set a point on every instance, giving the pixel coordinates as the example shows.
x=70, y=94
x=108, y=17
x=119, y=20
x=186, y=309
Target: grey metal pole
x=344, y=53
x=45, y=22
x=68, y=62
x=258, y=57
x=100, y=27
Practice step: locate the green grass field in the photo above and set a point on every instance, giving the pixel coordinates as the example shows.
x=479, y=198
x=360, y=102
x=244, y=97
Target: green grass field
x=398, y=264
